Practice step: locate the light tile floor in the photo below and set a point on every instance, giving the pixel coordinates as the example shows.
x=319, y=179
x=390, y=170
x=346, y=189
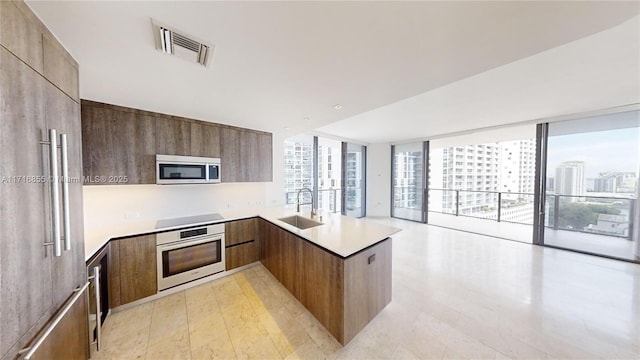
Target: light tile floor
x=455, y=296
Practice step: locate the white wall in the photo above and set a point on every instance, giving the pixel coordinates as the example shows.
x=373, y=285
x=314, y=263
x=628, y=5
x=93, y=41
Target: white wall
x=379, y=179
x=108, y=205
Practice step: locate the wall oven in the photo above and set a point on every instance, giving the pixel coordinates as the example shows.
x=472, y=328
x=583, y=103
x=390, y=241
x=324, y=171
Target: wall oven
x=173, y=169
x=189, y=254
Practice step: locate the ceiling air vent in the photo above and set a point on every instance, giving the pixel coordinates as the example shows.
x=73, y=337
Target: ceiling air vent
x=175, y=42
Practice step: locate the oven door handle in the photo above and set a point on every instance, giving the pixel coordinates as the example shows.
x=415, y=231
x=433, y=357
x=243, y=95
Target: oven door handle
x=186, y=243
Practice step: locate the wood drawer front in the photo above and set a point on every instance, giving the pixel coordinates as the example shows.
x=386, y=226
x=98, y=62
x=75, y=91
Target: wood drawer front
x=240, y=255
x=240, y=231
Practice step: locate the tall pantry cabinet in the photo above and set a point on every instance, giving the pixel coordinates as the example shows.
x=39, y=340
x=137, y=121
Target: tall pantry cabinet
x=38, y=92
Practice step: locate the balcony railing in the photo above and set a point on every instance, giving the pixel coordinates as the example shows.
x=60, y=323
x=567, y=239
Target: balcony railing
x=611, y=216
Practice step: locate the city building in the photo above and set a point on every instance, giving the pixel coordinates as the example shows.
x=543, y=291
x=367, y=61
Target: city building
x=298, y=167
x=354, y=176
x=570, y=179
x=616, y=182
x=408, y=180
x=517, y=166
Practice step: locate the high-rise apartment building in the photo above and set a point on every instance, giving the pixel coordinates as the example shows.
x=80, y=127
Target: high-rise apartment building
x=329, y=175
x=298, y=168
x=408, y=179
x=570, y=179
x=353, y=178
x=472, y=169
x=479, y=173
x=517, y=166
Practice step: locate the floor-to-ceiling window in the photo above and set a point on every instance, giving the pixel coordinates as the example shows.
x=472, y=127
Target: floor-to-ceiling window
x=329, y=175
x=319, y=164
x=354, y=167
x=408, y=181
x=298, y=167
x=591, y=182
x=484, y=182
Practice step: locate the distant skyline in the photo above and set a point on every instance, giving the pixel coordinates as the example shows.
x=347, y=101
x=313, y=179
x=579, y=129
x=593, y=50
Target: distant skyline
x=602, y=151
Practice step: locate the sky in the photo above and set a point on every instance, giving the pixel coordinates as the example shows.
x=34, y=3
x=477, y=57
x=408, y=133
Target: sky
x=602, y=151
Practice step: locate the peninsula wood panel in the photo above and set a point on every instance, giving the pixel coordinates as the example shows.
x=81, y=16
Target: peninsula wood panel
x=240, y=231
x=367, y=287
x=343, y=294
x=280, y=256
x=321, y=287
x=205, y=140
x=240, y=255
x=138, y=270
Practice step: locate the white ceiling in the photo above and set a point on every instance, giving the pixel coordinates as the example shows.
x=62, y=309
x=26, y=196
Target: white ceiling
x=276, y=63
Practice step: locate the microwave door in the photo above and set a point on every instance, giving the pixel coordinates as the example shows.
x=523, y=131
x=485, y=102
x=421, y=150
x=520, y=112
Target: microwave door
x=182, y=172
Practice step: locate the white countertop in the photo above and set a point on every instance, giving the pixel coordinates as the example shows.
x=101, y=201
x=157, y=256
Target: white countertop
x=339, y=234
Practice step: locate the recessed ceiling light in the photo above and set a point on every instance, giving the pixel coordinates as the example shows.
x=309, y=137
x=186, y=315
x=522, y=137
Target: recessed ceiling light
x=337, y=106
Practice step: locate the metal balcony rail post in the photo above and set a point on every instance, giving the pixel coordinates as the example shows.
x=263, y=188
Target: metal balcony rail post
x=457, y=202
x=632, y=215
x=556, y=211
x=499, y=205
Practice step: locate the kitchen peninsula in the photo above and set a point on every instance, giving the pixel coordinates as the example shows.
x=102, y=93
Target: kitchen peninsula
x=339, y=270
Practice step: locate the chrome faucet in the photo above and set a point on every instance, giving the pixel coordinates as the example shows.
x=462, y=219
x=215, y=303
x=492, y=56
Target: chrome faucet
x=313, y=210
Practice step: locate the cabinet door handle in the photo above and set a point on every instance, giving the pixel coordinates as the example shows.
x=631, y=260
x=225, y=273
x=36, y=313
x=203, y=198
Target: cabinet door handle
x=55, y=194
x=96, y=282
x=65, y=193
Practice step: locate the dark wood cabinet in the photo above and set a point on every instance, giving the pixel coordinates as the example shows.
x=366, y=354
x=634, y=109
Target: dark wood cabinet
x=25, y=264
x=138, y=272
x=117, y=144
x=113, y=277
x=242, y=242
x=246, y=156
x=59, y=67
x=240, y=231
x=64, y=342
x=205, y=140
x=21, y=34
x=240, y=255
x=344, y=294
x=230, y=156
x=173, y=137
x=37, y=94
x=120, y=141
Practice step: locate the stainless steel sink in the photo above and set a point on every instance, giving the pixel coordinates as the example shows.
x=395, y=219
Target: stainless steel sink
x=300, y=222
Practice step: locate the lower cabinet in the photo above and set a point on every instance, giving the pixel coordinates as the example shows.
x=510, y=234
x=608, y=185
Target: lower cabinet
x=240, y=255
x=242, y=243
x=344, y=294
x=133, y=270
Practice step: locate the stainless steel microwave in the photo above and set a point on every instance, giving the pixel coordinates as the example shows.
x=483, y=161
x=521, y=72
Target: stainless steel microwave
x=174, y=169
